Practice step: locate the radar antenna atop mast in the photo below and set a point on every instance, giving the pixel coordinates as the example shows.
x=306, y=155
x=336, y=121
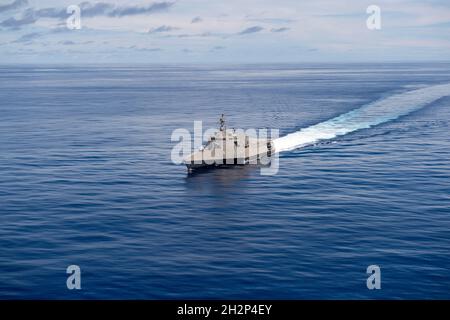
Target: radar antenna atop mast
x=222, y=122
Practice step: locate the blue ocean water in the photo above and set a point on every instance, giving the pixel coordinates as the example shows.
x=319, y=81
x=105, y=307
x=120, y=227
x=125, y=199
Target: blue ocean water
x=86, y=178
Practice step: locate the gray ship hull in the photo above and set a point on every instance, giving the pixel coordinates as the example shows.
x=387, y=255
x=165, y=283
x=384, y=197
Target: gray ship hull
x=255, y=158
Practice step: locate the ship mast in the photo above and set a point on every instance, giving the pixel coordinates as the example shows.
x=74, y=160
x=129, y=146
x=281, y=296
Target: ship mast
x=222, y=123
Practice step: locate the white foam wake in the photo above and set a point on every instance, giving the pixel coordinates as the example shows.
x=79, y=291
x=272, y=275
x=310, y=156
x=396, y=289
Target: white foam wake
x=367, y=116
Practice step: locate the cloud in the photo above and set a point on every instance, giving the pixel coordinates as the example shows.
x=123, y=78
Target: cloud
x=67, y=43
x=279, y=29
x=50, y=13
x=106, y=9
x=254, y=29
x=162, y=29
x=14, y=5
x=151, y=49
x=141, y=49
x=134, y=10
x=30, y=16
x=218, y=48
x=88, y=9
x=97, y=9
x=27, y=37
x=196, y=35
x=335, y=29
x=271, y=20
x=148, y=49
x=27, y=18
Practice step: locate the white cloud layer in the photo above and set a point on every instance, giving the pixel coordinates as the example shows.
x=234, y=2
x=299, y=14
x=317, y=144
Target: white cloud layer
x=244, y=30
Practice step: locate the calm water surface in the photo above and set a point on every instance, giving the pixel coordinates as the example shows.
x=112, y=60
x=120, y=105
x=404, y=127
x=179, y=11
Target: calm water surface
x=86, y=179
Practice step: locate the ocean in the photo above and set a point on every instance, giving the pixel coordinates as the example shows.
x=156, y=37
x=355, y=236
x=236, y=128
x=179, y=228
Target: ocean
x=86, y=179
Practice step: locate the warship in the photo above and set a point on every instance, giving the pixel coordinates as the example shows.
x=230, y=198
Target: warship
x=229, y=147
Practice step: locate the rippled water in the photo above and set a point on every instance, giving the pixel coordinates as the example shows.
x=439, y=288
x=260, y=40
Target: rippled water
x=86, y=179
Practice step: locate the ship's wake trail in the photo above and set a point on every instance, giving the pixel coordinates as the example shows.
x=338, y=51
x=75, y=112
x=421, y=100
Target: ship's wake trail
x=367, y=116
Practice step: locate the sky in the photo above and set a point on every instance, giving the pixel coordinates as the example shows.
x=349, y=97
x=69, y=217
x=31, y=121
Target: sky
x=226, y=31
